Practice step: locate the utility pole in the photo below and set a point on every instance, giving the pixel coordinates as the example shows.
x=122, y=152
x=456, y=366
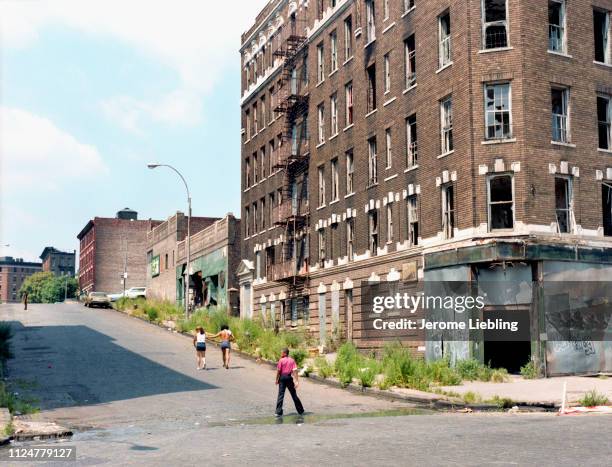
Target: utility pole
x=125, y=264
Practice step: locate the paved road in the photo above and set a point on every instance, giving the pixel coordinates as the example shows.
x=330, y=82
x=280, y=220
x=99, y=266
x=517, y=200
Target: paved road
x=133, y=394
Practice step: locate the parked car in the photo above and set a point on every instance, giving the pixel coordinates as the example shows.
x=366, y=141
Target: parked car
x=99, y=299
x=113, y=297
x=136, y=292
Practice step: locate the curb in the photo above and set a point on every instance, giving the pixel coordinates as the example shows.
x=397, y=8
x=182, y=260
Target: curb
x=435, y=402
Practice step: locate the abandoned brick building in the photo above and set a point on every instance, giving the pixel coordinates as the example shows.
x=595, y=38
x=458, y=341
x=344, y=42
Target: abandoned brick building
x=415, y=141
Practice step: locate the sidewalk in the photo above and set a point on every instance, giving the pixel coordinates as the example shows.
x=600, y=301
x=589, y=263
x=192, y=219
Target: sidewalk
x=537, y=391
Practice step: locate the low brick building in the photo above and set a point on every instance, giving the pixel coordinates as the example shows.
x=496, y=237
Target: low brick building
x=60, y=263
x=110, y=247
x=508, y=177
x=162, y=243
x=215, y=256
x=13, y=271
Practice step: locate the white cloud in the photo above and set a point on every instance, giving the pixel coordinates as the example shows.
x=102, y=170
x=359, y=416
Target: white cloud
x=196, y=38
x=39, y=157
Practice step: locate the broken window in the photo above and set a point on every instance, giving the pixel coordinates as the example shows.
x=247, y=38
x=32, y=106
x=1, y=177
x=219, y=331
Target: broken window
x=350, y=169
x=601, y=29
x=335, y=188
x=448, y=211
x=604, y=122
x=444, y=46
x=495, y=24
x=320, y=63
x=387, y=72
x=370, y=21
x=410, y=62
x=563, y=204
x=606, y=204
x=560, y=114
x=321, y=123
x=501, y=203
x=497, y=109
x=333, y=39
x=348, y=38
x=389, y=223
x=446, y=125
x=334, y=114
x=348, y=91
x=413, y=221
x=556, y=25
x=321, y=248
x=411, y=141
x=371, y=71
x=321, y=186
x=373, y=232
x=408, y=5
x=372, y=162
x=350, y=235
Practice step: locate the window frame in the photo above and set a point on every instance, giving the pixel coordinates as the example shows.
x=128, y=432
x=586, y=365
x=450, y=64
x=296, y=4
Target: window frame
x=389, y=213
x=333, y=104
x=321, y=123
x=486, y=25
x=373, y=232
x=449, y=221
x=412, y=159
x=387, y=72
x=560, y=28
x=569, y=194
x=607, y=50
x=565, y=119
x=410, y=73
x=607, y=122
x=348, y=38
x=333, y=39
x=491, y=203
x=412, y=220
x=372, y=161
x=493, y=85
x=370, y=17
x=446, y=125
x=320, y=63
x=322, y=188
x=349, y=116
x=388, y=148
x=335, y=174
x=445, y=57
x=350, y=172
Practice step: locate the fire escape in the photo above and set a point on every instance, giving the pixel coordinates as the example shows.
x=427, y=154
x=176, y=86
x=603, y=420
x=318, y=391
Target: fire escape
x=292, y=212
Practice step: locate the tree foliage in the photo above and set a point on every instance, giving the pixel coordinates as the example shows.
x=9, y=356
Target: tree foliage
x=46, y=287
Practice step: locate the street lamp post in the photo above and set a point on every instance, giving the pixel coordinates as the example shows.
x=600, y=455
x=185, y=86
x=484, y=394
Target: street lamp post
x=186, y=293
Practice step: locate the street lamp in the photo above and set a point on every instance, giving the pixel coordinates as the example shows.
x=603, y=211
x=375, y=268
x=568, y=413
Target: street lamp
x=186, y=294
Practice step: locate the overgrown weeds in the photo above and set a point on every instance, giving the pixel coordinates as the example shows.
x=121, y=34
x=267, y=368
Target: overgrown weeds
x=594, y=399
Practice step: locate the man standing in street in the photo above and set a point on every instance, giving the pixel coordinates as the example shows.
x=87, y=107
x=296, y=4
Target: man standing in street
x=25, y=300
x=285, y=372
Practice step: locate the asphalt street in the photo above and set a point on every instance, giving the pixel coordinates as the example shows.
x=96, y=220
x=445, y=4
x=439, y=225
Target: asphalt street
x=133, y=396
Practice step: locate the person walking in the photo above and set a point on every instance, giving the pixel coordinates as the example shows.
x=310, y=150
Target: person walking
x=226, y=337
x=25, y=300
x=199, y=342
x=286, y=370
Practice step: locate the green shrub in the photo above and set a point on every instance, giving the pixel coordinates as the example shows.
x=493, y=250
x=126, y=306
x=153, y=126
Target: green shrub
x=152, y=313
x=471, y=397
x=594, y=399
x=469, y=370
x=502, y=402
x=324, y=368
x=398, y=365
x=441, y=372
x=529, y=371
x=299, y=355
x=367, y=375
x=499, y=375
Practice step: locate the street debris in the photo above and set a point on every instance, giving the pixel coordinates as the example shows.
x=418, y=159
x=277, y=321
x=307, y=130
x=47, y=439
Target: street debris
x=28, y=430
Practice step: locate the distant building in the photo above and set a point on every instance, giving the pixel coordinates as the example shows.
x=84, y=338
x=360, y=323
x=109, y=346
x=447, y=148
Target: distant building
x=162, y=243
x=111, y=247
x=13, y=271
x=60, y=263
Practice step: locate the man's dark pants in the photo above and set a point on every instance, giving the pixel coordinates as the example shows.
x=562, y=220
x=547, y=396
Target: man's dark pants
x=286, y=382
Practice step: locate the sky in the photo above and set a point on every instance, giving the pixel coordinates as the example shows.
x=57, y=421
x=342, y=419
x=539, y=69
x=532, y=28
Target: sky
x=91, y=91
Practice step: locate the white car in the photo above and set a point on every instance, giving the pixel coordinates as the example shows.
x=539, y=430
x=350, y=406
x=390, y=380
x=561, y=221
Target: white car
x=115, y=296
x=136, y=292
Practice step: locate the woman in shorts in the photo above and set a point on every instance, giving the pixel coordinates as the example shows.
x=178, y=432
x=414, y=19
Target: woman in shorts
x=199, y=342
x=226, y=337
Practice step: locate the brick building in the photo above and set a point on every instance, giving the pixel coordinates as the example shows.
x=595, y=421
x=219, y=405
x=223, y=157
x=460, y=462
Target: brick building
x=162, y=243
x=111, y=246
x=60, y=263
x=414, y=142
x=13, y=271
x=215, y=257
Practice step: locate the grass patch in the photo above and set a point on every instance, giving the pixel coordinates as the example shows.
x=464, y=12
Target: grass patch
x=16, y=404
x=9, y=429
x=529, y=371
x=501, y=402
x=471, y=397
x=324, y=368
x=594, y=399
